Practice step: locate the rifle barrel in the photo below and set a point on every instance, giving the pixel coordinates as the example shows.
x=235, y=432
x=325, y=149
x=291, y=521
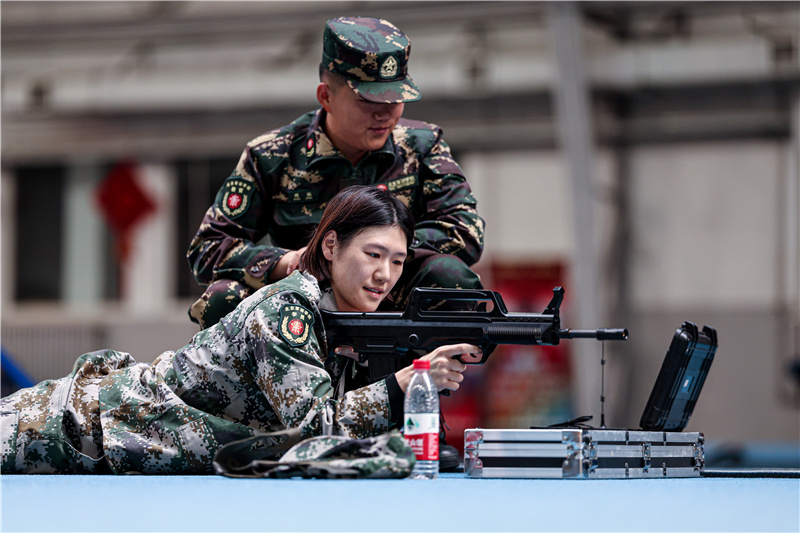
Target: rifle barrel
x=602, y=334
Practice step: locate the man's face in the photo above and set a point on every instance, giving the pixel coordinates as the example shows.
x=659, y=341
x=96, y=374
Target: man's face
x=354, y=125
x=364, y=271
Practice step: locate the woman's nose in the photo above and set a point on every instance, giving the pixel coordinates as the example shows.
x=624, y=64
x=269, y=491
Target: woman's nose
x=382, y=272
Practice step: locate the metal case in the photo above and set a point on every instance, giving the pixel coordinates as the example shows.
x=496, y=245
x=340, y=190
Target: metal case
x=581, y=453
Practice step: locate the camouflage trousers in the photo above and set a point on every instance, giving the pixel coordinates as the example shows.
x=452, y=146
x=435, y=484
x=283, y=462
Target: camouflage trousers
x=54, y=426
x=426, y=269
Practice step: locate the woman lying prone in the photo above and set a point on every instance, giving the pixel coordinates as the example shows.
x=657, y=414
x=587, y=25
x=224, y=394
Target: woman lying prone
x=263, y=368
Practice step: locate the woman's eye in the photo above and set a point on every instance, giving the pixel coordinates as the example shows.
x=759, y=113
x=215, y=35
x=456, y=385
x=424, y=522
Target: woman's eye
x=373, y=254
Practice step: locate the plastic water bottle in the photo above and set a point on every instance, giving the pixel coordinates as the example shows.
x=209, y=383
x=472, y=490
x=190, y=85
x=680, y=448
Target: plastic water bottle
x=421, y=408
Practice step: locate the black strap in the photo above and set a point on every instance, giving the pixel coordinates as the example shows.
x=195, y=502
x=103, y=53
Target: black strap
x=304, y=469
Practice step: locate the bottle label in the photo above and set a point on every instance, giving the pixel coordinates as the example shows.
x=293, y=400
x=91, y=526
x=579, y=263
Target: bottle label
x=422, y=434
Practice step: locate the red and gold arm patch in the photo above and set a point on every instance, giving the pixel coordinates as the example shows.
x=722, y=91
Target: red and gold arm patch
x=296, y=322
x=236, y=196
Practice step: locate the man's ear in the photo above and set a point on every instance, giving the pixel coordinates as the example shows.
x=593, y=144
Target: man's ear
x=329, y=243
x=324, y=96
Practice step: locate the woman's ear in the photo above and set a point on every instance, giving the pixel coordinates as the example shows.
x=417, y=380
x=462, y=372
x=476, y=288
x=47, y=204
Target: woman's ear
x=329, y=244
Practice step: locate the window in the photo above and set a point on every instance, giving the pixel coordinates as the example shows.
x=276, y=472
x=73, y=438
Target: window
x=38, y=232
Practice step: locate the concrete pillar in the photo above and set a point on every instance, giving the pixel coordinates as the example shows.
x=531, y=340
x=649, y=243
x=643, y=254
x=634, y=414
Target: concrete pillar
x=83, y=275
x=573, y=113
x=149, y=275
x=8, y=224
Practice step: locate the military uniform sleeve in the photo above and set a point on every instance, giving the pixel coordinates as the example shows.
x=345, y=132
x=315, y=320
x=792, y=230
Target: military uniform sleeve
x=290, y=371
x=226, y=244
x=449, y=223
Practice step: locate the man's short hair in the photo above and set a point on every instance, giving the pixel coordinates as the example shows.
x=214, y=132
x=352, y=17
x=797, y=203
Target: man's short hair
x=333, y=80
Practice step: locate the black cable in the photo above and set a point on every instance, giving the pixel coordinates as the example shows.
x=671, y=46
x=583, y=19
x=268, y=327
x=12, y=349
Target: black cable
x=751, y=472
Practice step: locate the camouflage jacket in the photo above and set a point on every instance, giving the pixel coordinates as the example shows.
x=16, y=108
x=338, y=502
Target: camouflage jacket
x=262, y=368
x=285, y=178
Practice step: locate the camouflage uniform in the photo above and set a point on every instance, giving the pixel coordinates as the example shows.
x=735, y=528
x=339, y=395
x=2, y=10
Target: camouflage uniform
x=285, y=178
x=261, y=369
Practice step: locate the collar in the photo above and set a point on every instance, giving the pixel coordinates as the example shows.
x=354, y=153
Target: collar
x=327, y=300
x=319, y=146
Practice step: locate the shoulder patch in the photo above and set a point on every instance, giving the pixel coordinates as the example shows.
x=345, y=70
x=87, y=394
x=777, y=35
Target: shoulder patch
x=296, y=322
x=236, y=195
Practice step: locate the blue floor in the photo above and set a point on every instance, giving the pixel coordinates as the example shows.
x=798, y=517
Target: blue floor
x=450, y=503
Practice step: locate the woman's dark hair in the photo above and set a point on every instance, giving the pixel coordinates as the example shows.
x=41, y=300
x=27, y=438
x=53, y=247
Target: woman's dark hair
x=352, y=210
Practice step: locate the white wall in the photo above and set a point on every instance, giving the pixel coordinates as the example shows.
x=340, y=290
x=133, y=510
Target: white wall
x=525, y=199
x=706, y=231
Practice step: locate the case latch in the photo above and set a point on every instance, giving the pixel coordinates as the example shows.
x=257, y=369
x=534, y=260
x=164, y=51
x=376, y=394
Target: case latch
x=573, y=462
x=589, y=454
x=699, y=456
x=472, y=441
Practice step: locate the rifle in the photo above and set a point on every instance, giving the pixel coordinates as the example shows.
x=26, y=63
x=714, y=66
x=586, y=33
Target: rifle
x=390, y=341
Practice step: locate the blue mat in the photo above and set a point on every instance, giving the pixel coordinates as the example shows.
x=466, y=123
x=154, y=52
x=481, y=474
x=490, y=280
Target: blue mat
x=450, y=503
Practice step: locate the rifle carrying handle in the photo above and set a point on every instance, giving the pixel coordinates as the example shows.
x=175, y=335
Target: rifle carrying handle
x=420, y=294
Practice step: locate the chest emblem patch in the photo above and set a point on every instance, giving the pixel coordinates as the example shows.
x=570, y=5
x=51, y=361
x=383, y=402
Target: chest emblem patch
x=295, y=325
x=236, y=194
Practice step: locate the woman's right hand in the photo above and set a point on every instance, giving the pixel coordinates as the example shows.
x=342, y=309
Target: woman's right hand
x=446, y=370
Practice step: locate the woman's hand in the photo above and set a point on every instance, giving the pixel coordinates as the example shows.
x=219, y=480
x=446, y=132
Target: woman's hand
x=446, y=371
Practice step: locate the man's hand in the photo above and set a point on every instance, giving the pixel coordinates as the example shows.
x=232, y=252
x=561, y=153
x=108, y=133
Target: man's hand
x=287, y=264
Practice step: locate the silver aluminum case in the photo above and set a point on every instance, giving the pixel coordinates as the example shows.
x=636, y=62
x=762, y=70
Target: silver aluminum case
x=582, y=453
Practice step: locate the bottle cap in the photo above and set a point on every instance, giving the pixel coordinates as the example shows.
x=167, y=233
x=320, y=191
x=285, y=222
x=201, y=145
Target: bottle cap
x=419, y=364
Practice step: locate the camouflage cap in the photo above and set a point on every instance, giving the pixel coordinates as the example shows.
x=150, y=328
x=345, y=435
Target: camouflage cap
x=372, y=55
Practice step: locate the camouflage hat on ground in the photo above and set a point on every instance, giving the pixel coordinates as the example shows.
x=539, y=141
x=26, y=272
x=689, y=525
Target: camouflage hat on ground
x=372, y=55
